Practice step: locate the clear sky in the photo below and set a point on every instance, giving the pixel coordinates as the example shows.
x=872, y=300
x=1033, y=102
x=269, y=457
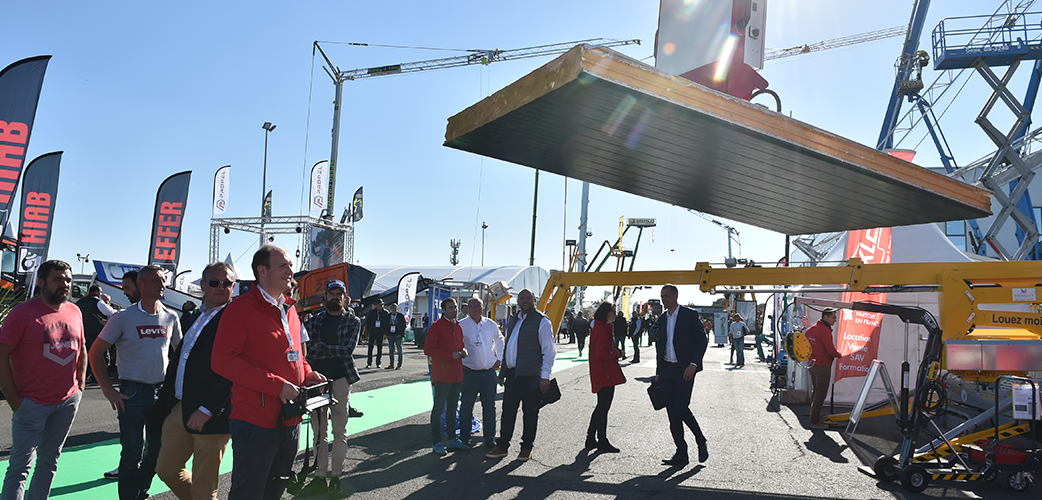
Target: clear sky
x=137, y=91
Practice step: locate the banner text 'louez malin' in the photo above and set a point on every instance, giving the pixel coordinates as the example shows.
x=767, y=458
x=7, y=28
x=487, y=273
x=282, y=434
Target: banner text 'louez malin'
x=20, y=85
x=171, y=200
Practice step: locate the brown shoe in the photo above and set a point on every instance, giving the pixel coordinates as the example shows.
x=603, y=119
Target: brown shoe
x=524, y=455
x=496, y=452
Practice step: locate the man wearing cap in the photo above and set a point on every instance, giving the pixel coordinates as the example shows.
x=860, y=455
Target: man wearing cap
x=823, y=351
x=334, y=333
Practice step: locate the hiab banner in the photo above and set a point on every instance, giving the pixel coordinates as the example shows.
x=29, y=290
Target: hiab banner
x=20, y=85
x=318, y=186
x=39, y=194
x=171, y=199
x=220, y=190
x=858, y=340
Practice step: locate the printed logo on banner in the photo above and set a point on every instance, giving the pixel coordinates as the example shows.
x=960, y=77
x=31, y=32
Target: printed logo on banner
x=858, y=339
x=220, y=205
x=151, y=332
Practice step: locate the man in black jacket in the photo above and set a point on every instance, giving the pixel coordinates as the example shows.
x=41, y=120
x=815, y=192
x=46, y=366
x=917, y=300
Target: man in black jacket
x=681, y=345
x=394, y=336
x=195, y=402
x=377, y=323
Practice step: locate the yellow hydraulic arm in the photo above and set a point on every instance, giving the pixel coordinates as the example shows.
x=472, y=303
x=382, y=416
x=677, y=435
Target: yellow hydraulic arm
x=963, y=287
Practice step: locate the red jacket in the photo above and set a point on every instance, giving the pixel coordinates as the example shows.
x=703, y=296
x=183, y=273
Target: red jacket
x=251, y=350
x=822, y=349
x=444, y=338
x=604, y=363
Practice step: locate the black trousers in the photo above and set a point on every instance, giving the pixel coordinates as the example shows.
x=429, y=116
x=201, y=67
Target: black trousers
x=375, y=340
x=515, y=394
x=262, y=461
x=582, y=343
x=678, y=405
x=599, y=420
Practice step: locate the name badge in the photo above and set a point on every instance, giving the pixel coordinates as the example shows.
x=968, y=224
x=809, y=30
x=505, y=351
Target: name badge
x=392, y=328
x=293, y=356
x=477, y=343
x=378, y=323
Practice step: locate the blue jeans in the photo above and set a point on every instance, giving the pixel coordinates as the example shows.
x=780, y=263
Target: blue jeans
x=138, y=437
x=263, y=459
x=37, y=430
x=476, y=382
x=446, y=396
x=392, y=342
x=739, y=347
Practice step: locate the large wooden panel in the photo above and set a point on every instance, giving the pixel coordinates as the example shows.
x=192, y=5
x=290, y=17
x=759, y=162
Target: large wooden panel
x=595, y=115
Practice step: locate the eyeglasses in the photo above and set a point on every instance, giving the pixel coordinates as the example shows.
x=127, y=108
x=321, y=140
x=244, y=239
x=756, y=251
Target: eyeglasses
x=225, y=283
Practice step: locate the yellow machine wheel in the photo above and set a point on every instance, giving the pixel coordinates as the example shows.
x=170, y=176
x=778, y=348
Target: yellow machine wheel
x=797, y=346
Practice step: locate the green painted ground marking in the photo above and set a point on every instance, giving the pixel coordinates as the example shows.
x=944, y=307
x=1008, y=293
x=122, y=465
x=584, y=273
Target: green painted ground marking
x=80, y=468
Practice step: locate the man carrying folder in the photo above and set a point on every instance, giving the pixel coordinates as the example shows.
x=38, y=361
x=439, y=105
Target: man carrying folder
x=527, y=362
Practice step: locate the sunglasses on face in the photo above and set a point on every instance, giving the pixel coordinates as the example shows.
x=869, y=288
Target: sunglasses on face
x=224, y=284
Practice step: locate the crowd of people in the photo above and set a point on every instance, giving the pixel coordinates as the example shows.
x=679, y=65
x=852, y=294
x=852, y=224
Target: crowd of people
x=231, y=370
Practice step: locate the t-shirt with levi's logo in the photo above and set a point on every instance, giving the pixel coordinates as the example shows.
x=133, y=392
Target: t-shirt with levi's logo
x=142, y=342
x=47, y=346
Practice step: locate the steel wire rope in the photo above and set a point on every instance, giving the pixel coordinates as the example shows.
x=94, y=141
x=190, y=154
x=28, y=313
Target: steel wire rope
x=304, y=167
x=482, y=93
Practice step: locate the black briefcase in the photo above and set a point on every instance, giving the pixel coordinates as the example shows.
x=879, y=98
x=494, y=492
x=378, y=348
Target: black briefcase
x=657, y=396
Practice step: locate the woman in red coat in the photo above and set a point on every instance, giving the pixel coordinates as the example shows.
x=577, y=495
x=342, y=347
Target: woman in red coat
x=605, y=374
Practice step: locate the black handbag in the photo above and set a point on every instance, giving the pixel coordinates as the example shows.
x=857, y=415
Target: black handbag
x=657, y=396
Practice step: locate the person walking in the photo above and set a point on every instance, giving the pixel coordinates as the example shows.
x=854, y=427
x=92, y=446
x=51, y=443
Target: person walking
x=605, y=374
x=377, y=323
x=581, y=325
x=822, y=353
x=636, y=329
x=620, y=330
x=680, y=351
x=43, y=365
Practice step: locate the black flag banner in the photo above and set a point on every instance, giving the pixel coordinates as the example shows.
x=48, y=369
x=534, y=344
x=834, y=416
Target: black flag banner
x=266, y=207
x=39, y=193
x=20, y=85
x=165, y=249
x=356, y=206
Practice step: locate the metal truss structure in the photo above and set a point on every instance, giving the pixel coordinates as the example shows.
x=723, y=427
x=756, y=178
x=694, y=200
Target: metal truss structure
x=297, y=224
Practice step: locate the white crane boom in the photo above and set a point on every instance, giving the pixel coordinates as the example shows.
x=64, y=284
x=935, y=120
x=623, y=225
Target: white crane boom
x=836, y=43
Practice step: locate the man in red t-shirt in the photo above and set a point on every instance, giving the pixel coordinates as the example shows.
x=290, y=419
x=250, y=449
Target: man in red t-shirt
x=823, y=351
x=43, y=365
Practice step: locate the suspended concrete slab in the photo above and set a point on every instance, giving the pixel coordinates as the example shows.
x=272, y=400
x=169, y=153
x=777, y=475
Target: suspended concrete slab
x=596, y=115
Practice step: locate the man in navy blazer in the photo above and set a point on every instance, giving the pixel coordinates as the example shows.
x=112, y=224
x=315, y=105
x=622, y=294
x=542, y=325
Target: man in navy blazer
x=681, y=345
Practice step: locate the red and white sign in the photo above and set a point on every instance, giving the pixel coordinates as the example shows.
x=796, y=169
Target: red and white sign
x=858, y=339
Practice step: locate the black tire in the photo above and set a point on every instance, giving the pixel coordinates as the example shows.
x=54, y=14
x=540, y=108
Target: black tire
x=886, y=469
x=1019, y=481
x=915, y=478
x=990, y=476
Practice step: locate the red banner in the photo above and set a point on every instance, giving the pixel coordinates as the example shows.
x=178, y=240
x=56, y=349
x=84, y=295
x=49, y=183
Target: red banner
x=858, y=340
x=165, y=248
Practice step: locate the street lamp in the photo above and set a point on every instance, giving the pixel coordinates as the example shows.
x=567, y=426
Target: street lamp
x=268, y=128
x=83, y=260
x=483, y=228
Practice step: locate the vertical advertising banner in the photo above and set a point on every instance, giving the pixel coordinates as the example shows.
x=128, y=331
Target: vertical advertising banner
x=20, y=85
x=858, y=340
x=318, y=186
x=356, y=206
x=407, y=295
x=171, y=200
x=220, y=190
x=39, y=194
x=266, y=207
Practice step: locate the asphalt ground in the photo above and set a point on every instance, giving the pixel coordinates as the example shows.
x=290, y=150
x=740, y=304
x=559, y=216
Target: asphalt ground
x=757, y=449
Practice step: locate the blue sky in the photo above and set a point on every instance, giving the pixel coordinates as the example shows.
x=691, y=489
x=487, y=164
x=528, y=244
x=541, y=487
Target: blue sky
x=137, y=91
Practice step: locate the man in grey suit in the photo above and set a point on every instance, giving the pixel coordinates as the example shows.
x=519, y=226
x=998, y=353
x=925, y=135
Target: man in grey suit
x=681, y=346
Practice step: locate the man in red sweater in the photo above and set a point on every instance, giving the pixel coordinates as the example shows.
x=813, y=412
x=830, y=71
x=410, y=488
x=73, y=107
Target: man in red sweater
x=258, y=349
x=444, y=345
x=823, y=351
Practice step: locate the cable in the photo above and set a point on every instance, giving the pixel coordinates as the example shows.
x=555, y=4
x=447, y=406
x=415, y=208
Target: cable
x=359, y=44
x=304, y=168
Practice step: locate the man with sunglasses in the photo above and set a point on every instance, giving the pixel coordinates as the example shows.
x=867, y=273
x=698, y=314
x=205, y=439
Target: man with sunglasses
x=195, y=400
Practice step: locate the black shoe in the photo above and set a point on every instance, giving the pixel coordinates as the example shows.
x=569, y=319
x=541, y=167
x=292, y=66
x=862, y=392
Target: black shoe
x=676, y=461
x=316, y=486
x=703, y=453
x=591, y=442
x=636, y=360
x=353, y=413
x=335, y=490
x=112, y=474
x=389, y=367
x=606, y=447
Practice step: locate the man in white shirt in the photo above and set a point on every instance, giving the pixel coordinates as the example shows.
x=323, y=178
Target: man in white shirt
x=527, y=362
x=737, y=333
x=484, y=343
